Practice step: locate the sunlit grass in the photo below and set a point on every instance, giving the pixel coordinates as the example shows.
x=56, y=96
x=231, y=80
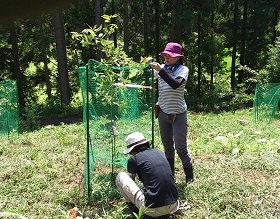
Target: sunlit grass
x=236, y=167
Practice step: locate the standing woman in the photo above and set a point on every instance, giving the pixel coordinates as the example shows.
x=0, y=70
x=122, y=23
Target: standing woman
x=172, y=77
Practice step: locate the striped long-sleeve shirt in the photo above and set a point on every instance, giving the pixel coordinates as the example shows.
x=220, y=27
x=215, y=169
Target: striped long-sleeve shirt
x=171, y=99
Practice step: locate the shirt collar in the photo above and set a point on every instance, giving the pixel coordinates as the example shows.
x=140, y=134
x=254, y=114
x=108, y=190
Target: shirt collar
x=171, y=68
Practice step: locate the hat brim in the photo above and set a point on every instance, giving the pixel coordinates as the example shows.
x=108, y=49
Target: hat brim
x=172, y=54
x=128, y=150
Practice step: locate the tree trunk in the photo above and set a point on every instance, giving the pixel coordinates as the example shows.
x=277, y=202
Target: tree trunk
x=17, y=72
x=125, y=26
x=212, y=52
x=234, y=45
x=114, y=20
x=146, y=47
x=63, y=77
x=243, y=41
x=89, y=21
x=98, y=22
x=45, y=61
x=199, y=23
x=98, y=12
x=175, y=26
x=157, y=33
x=275, y=21
x=146, y=33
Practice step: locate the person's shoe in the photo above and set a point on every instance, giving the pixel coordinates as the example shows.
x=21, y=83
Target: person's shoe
x=189, y=180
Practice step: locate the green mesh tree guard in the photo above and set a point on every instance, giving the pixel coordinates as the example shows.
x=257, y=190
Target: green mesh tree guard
x=108, y=119
x=266, y=101
x=8, y=108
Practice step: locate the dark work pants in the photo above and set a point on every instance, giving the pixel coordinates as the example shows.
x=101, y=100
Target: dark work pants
x=174, y=136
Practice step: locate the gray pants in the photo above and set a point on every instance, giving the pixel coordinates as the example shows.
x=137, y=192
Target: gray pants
x=173, y=132
x=132, y=193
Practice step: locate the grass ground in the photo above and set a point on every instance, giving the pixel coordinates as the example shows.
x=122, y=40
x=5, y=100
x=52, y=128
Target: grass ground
x=236, y=163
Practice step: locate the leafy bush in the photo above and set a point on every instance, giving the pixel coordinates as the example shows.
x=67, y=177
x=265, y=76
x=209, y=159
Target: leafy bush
x=271, y=72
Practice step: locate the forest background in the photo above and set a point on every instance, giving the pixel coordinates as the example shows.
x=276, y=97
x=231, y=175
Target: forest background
x=229, y=46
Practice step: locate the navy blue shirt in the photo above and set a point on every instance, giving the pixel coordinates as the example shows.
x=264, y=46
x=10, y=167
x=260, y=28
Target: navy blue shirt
x=154, y=171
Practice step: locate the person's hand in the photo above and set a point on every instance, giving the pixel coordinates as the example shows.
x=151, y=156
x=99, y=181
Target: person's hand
x=149, y=60
x=156, y=66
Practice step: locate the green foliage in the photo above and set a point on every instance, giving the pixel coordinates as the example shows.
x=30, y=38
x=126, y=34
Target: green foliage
x=115, y=65
x=220, y=98
x=60, y=110
x=140, y=214
x=179, y=24
x=241, y=99
x=271, y=72
x=99, y=39
x=30, y=118
x=5, y=52
x=100, y=191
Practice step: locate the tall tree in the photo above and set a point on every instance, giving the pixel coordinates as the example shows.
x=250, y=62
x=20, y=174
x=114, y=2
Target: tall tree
x=98, y=12
x=45, y=60
x=275, y=19
x=199, y=70
x=98, y=21
x=146, y=44
x=63, y=77
x=145, y=32
x=234, y=45
x=157, y=28
x=125, y=26
x=243, y=40
x=17, y=71
x=259, y=33
x=212, y=52
x=114, y=21
x=176, y=17
x=89, y=21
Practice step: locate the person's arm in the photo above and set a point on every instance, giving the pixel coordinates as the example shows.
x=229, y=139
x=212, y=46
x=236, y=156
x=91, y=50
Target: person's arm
x=131, y=168
x=172, y=82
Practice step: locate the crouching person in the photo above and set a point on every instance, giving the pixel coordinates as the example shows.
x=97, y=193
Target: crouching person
x=159, y=195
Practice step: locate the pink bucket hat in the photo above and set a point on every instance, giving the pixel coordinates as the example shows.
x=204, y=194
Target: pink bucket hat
x=172, y=49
